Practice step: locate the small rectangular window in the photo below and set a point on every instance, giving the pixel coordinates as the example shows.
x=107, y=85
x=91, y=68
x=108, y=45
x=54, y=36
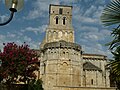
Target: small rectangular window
x=64, y=21
x=56, y=20
x=44, y=68
x=92, y=81
x=60, y=10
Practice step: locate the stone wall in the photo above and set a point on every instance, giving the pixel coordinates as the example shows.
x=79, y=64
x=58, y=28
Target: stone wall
x=62, y=60
x=82, y=88
x=101, y=62
x=61, y=64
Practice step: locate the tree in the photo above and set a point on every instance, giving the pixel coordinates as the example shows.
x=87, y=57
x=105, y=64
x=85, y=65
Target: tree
x=35, y=85
x=111, y=16
x=18, y=63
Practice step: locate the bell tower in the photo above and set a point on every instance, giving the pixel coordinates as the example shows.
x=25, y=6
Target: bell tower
x=60, y=56
x=60, y=24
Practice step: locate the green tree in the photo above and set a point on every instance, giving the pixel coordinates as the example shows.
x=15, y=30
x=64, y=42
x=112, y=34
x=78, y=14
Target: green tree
x=111, y=16
x=35, y=85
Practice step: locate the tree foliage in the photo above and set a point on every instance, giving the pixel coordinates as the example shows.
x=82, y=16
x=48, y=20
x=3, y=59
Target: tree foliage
x=111, y=16
x=18, y=63
x=35, y=85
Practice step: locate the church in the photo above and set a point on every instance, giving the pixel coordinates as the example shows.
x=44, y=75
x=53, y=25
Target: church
x=63, y=65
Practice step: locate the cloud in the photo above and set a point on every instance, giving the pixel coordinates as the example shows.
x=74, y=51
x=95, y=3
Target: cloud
x=90, y=11
x=89, y=32
x=19, y=38
x=2, y=37
x=36, y=30
x=85, y=19
x=97, y=49
x=40, y=8
x=11, y=35
x=2, y=40
x=3, y=18
x=88, y=29
x=70, y=1
x=85, y=28
x=28, y=39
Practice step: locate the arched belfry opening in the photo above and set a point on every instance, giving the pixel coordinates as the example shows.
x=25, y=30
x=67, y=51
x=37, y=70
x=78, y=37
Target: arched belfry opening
x=64, y=20
x=57, y=19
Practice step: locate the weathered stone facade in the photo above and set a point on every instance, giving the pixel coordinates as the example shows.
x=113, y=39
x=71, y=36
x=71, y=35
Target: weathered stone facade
x=63, y=66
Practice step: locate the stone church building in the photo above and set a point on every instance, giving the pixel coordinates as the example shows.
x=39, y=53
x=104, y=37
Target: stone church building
x=63, y=66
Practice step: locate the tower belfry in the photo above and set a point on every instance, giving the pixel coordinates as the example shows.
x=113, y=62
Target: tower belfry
x=59, y=50
x=60, y=24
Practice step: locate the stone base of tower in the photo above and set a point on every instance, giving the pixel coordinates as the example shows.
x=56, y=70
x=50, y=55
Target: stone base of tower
x=82, y=88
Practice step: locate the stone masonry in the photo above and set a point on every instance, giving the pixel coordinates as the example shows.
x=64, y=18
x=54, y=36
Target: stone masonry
x=63, y=66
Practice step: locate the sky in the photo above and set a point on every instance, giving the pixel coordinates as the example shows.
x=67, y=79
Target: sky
x=30, y=23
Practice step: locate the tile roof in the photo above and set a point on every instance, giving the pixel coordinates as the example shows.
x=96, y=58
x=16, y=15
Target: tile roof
x=90, y=66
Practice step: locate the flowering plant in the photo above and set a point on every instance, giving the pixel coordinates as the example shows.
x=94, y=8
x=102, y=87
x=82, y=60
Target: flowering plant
x=18, y=63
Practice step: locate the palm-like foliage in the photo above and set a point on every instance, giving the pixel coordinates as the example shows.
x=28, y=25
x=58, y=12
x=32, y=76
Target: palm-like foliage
x=115, y=67
x=111, y=16
x=116, y=41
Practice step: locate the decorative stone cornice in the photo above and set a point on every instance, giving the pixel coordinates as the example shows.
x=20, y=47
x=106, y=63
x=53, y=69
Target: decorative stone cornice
x=62, y=44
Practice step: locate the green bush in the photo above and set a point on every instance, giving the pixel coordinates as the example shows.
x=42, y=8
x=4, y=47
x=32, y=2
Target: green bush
x=35, y=85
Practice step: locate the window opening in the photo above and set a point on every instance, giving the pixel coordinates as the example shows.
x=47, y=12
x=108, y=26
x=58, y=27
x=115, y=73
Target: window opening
x=63, y=20
x=60, y=10
x=56, y=20
x=44, y=68
x=92, y=81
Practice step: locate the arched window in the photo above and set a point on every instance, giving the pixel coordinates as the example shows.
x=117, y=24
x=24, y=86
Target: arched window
x=57, y=20
x=92, y=81
x=44, y=65
x=64, y=20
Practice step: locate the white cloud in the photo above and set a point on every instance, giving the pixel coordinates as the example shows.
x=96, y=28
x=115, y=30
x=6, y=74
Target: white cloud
x=70, y=1
x=90, y=11
x=2, y=40
x=19, y=38
x=86, y=20
x=89, y=14
x=94, y=37
x=2, y=37
x=36, y=30
x=11, y=35
x=34, y=14
x=91, y=38
x=28, y=39
x=90, y=33
x=96, y=49
x=40, y=8
x=88, y=28
x=3, y=18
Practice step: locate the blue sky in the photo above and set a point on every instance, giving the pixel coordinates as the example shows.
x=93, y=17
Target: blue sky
x=29, y=25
